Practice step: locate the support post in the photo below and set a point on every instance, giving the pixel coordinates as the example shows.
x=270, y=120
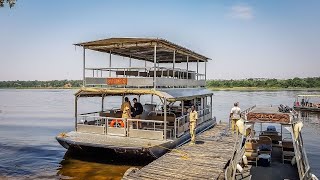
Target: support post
x=174, y=62
x=187, y=67
x=211, y=106
x=197, y=69
x=76, y=113
x=110, y=63
x=130, y=61
x=102, y=103
x=165, y=118
x=205, y=71
x=154, y=66
x=151, y=98
x=84, y=67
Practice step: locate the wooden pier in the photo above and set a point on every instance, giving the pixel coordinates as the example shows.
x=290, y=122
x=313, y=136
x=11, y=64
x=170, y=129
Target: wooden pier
x=204, y=160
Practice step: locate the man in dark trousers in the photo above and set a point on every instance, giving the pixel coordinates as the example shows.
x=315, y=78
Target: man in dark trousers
x=138, y=109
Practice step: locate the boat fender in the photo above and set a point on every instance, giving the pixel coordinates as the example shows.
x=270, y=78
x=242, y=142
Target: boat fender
x=314, y=177
x=296, y=129
x=293, y=161
x=245, y=160
x=241, y=126
x=131, y=170
x=239, y=168
x=114, y=121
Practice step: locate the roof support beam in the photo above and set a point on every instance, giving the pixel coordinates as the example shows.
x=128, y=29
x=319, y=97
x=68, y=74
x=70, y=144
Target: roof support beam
x=154, y=66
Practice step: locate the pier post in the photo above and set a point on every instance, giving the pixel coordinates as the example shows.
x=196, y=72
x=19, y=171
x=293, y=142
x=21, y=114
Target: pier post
x=102, y=103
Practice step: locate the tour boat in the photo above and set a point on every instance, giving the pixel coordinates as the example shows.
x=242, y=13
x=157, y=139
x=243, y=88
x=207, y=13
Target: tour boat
x=307, y=102
x=161, y=126
x=269, y=146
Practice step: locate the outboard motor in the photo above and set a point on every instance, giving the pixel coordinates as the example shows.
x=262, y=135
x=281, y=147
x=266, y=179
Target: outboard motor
x=281, y=108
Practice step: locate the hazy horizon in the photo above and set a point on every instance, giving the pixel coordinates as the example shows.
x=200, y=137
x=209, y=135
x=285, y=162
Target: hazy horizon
x=245, y=39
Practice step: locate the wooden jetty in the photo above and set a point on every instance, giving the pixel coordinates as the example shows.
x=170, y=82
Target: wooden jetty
x=206, y=159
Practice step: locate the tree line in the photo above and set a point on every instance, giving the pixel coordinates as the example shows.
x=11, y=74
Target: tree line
x=311, y=82
x=41, y=84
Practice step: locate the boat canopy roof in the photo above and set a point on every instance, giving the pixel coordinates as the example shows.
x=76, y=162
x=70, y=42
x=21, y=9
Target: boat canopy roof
x=309, y=95
x=143, y=49
x=171, y=95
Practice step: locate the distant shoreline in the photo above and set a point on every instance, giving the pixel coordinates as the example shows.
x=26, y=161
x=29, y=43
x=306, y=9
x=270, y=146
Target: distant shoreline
x=260, y=89
x=210, y=88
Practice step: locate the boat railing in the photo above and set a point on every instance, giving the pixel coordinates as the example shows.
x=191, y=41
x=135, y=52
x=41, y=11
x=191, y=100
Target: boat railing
x=181, y=124
x=94, y=123
x=177, y=73
x=143, y=77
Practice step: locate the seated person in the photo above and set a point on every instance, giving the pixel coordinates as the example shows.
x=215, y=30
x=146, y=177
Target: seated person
x=137, y=107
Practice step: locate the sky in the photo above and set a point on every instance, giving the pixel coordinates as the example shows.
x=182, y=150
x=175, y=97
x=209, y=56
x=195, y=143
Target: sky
x=244, y=39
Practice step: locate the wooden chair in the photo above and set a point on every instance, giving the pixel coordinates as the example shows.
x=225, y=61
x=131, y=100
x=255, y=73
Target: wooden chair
x=266, y=141
x=251, y=151
x=287, y=150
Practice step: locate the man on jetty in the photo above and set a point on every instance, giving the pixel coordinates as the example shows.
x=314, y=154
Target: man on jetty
x=235, y=115
x=193, y=123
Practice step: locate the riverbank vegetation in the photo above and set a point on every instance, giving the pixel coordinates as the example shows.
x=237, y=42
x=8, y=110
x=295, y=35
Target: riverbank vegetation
x=41, y=84
x=295, y=83
x=243, y=84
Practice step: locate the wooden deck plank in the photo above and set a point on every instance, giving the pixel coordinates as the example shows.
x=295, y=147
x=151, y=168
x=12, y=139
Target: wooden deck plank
x=205, y=160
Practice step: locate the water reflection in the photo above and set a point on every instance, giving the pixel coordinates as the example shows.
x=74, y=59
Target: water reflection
x=97, y=164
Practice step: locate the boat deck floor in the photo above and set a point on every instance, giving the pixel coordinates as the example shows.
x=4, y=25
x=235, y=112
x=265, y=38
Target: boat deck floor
x=204, y=160
x=277, y=170
x=97, y=140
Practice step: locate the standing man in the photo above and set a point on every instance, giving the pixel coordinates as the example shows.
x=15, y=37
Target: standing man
x=193, y=123
x=126, y=108
x=235, y=115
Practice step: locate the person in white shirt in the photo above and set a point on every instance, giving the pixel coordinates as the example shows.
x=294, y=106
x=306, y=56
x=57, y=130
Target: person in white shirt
x=235, y=115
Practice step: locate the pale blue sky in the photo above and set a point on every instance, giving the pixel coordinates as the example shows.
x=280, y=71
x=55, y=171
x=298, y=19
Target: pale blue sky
x=262, y=39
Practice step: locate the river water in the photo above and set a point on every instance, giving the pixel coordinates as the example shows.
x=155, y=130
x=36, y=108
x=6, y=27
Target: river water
x=30, y=120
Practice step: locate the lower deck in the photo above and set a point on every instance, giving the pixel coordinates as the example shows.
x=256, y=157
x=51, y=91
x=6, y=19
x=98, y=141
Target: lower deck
x=277, y=169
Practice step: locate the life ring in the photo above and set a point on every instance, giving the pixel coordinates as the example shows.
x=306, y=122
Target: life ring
x=114, y=123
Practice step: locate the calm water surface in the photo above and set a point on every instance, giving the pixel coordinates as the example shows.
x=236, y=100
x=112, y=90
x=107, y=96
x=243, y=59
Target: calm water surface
x=30, y=119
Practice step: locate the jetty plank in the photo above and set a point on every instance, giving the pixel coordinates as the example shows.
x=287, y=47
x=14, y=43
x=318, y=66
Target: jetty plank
x=204, y=160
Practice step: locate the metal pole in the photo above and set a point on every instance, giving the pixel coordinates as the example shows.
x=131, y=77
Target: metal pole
x=130, y=61
x=102, y=103
x=174, y=61
x=76, y=113
x=197, y=69
x=205, y=71
x=84, y=67
x=211, y=106
x=165, y=118
x=110, y=63
x=154, y=66
x=187, y=67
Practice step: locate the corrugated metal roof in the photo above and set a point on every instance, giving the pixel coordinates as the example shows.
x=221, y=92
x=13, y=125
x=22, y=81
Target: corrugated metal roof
x=143, y=49
x=170, y=94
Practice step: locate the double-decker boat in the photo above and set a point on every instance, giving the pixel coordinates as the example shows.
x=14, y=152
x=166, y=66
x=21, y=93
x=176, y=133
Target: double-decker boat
x=270, y=146
x=159, y=127
x=307, y=102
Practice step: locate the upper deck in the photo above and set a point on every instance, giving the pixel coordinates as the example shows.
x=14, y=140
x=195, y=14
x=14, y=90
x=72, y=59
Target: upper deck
x=157, y=51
